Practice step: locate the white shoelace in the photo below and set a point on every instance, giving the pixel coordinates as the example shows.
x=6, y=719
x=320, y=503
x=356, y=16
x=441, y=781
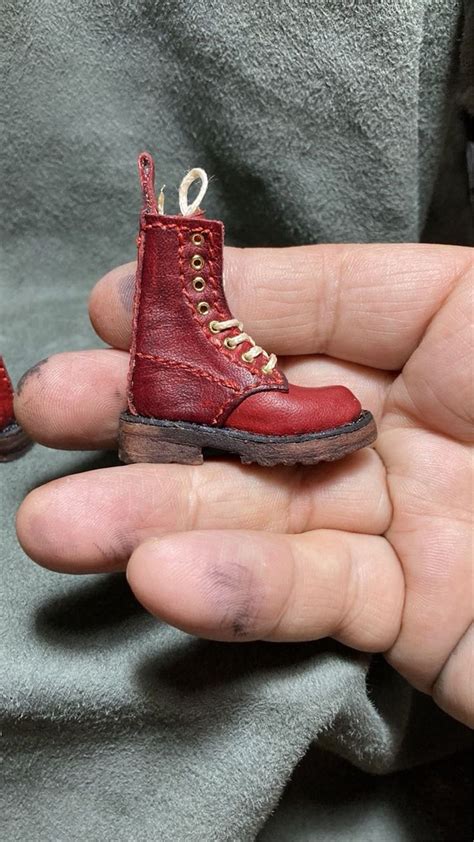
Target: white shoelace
x=230, y=342
x=234, y=341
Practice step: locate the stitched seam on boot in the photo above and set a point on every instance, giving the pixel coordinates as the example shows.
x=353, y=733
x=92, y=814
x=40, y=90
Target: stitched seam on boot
x=136, y=309
x=186, y=367
x=219, y=415
x=213, y=281
x=188, y=298
x=4, y=379
x=255, y=370
x=276, y=377
x=178, y=228
x=190, y=302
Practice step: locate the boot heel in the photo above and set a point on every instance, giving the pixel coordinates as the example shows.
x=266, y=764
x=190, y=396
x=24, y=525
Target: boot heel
x=147, y=443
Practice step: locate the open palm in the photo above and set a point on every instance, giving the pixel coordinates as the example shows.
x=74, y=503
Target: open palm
x=373, y=551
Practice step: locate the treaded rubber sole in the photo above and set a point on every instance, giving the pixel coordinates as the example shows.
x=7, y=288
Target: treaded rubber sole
x=150, y=440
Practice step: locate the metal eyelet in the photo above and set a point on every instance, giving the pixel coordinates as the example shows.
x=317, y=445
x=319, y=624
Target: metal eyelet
x=213, y=328
x=197, y=262
x=229, y=343
x=245, y=358
x=203, y=308
x=197, y=239
x=199, y=284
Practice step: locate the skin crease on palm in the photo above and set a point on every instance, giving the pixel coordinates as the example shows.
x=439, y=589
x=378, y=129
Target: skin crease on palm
x=374, y=551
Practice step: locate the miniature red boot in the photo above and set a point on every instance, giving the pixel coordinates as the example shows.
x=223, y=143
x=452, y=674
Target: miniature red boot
x=13, y=440
x=196, y=379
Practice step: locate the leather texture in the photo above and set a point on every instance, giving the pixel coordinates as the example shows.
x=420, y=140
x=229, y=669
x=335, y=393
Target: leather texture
x=301, y=410
x=6, y=397
x=179, y=369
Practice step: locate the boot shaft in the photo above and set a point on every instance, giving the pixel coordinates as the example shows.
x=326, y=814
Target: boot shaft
x=180, y=369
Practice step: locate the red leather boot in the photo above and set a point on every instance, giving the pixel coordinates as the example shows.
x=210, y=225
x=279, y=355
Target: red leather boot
x=196, y=379
x=13, y=440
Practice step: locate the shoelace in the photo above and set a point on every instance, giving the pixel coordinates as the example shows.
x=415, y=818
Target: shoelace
x=234, y=341
x=230, y=342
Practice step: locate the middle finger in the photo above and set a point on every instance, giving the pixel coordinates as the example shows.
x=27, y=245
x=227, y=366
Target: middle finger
x=92, y=522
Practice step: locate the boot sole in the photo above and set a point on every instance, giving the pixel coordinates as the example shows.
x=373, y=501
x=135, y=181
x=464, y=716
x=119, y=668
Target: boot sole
x=149, y=440
x=13, y=443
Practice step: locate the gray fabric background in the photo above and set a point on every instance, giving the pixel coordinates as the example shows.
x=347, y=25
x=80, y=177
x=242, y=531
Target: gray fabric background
x=323, y=121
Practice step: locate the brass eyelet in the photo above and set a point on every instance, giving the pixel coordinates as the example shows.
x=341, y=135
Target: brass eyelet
x=199, y=284
x=245, y=358
x=203, y=308
x=228, y=342
x=213, y=328
x=197, y=239
x=197, y=262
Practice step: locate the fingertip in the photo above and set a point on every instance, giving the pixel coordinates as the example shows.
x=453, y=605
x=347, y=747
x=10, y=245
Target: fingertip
x=34, y=528
x=64, y=525
x=73, y=400
x=141, y=562
x=111, y=305
x=45, y=531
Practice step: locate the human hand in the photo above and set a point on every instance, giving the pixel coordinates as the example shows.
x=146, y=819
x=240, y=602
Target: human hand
x=373, y=551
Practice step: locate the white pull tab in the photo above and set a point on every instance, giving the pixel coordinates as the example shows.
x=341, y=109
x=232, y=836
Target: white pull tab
x=192, y=176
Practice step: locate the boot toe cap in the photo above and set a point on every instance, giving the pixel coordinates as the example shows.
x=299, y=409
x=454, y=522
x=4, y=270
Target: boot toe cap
x=299, y=411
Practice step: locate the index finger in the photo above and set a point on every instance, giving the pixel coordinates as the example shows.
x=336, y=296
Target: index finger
x=368, y=304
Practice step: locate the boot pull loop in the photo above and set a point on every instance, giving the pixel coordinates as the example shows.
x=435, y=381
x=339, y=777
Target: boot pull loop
x=192, y=176
x=146, y=173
